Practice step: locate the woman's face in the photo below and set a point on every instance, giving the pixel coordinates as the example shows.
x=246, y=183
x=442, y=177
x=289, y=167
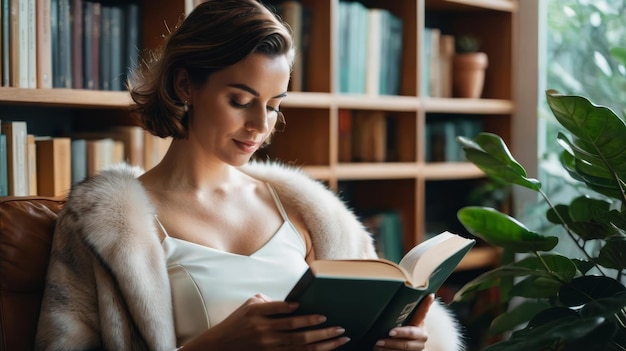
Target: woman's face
x=237, y=108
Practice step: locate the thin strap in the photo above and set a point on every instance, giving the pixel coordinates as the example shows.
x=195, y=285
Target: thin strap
x=160, y=225
x=277, y=202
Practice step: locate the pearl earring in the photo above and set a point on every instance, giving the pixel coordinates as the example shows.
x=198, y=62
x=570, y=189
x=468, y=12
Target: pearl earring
x=185, y=106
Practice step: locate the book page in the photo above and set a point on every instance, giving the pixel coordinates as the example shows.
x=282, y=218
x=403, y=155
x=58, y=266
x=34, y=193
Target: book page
x=372, y=269
x=440, y=253
x=409, y=260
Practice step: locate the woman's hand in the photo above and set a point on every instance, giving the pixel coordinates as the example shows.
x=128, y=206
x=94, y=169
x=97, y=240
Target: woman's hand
x=410, y=337
x=261, y=324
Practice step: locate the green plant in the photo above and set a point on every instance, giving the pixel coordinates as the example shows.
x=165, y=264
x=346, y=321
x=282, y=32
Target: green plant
x=466, y=43
x=568, y=303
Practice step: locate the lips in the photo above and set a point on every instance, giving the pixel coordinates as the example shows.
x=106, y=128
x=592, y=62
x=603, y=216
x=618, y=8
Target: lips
x=247, y=146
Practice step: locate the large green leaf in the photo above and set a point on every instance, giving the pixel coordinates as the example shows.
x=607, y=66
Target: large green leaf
x=545, y=336
x=503, y=230
x=517, y=315
x=613, y=253
x=536, y=287
x=489, y=153
x=548, y=267
x=589, y=169
x=584, y=289
x=585, y=216
x=607, y=307
x=598, y=132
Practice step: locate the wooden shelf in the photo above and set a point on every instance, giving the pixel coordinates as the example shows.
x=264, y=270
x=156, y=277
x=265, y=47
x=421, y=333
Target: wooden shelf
x=451, y=170
x=382, y=170
x=456, y=105
x=465, y=5
x=378, y=102
x=65, y=98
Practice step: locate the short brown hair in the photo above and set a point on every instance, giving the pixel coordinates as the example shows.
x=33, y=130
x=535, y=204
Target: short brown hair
x=215, y=35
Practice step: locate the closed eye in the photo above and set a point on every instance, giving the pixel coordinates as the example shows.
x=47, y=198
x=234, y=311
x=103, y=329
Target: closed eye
x=235, y=104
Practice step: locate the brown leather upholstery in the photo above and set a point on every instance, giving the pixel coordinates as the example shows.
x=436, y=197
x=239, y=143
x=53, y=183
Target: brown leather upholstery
x=26, y=228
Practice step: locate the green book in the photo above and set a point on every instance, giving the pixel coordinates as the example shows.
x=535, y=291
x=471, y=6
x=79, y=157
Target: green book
x=370, y=297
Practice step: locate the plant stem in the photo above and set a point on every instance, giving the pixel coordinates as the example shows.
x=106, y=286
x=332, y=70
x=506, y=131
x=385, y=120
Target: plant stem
x=569, y=232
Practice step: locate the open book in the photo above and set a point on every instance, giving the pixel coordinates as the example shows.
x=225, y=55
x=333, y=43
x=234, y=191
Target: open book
x=369, y=297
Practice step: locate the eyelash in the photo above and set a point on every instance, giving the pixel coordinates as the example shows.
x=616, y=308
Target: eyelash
x=235, y=104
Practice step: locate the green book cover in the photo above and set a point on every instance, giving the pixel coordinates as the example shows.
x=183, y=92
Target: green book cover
x=369, y=297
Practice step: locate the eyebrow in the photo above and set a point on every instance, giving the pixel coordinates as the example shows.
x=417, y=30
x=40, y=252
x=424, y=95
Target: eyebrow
x=252, y=91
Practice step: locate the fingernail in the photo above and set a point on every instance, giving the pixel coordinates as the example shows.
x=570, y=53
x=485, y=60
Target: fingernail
x=339, y=330
x=380, y=343
x=393, y=333
x=344, y=339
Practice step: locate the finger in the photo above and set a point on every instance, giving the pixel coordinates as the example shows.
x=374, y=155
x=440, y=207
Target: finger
x=258, y=306
x=409, y=332
x=400, y=344
x=418, y=317
x=313, y=336
x=290, y=323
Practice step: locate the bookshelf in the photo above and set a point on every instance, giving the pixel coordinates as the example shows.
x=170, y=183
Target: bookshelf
x=312, y=136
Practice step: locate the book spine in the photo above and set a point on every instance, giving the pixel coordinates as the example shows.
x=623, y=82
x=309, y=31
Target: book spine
x=131, y=37
x=31, y=42
x=21, y=80
x=117, y=49
x=6, y=48
x=105, y=47
x=31, y=160
x=65, y=44
x=16, y=157
x=397, y=313
x=77, y=44
x=78, y=160
x=53, y=166
x=44, y=45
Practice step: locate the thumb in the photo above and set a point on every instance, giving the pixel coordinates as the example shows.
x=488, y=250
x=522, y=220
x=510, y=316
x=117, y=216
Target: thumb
x=418, y=317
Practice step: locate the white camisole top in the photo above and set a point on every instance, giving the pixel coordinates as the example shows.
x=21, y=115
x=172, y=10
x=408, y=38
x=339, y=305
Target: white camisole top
x=209, y=284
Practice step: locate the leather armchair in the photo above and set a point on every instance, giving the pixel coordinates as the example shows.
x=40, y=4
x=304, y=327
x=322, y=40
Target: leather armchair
x=26, y=229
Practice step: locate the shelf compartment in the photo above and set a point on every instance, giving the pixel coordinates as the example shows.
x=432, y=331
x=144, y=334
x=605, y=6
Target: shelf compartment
x=305, y=140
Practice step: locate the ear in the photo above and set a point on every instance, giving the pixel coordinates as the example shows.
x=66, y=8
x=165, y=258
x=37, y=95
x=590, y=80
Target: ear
x=182, y=85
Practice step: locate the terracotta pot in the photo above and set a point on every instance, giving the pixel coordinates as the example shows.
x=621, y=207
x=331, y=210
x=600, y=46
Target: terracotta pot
x=468, y=75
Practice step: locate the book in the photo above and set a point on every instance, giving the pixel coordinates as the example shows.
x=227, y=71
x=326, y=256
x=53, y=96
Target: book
x=31, y=160
x=76, y=8
x=132, y=138
x=386, y=229
x=291, y=12
x=64, y=50
x=370, y=297
x=31, y=44
x=78, y=160
x=6, y=43
x=53, y=166
x=17, y=165
x=44, y=44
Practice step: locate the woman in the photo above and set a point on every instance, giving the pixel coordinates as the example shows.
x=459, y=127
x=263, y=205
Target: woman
x=200, y=251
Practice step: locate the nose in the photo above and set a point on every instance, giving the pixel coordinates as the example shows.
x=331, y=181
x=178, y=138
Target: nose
x=257, y=120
